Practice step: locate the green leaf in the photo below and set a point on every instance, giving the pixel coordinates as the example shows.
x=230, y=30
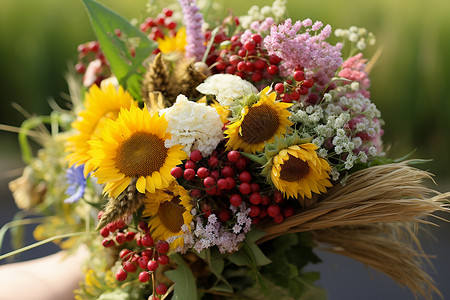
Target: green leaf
x=250, y=254
x=216, y=265
x=126, y=67
x=185, y=286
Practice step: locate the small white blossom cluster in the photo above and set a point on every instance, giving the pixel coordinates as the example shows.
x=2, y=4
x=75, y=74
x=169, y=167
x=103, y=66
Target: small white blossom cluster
x=359, y=36
x=226, y=88
x=277, y=11
x=347, y=128
x=213, y=233
x=193, y=125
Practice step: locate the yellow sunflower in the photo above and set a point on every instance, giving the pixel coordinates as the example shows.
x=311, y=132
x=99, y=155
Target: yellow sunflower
x=133, y=147
x=258, y=124
x=176, y=43
x=297, y=170
x=101, y=104
x=170, y=210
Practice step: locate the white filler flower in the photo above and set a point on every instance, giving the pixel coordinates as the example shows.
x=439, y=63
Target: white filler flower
x=194, y=125
x=226, y=88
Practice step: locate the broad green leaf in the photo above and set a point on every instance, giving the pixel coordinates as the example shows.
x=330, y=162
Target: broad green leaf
x=216, y=264
x=126, y=67
x=185, y=286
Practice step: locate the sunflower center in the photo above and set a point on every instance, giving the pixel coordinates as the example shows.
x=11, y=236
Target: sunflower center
x=260, y=124
x=293, y=169
x=141, y=154
x=171, y=214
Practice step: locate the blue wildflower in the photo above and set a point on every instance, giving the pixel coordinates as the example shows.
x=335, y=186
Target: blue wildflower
x=77, y=183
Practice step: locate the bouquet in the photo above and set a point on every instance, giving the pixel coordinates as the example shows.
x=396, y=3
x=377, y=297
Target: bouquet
x=208, y=160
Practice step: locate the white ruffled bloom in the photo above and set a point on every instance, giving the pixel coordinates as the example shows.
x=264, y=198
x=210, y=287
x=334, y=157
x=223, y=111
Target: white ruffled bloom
x=193, y=125
x=226, y=88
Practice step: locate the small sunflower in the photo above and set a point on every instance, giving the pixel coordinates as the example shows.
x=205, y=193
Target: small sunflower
x=133, y=147
x=258, y=123
x=176, y=43
x=297, y=170
x=170, y=210
x=101, y=104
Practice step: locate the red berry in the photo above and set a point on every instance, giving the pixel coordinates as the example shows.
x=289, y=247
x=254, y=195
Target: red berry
x=231, y=183
x=144, y=27
x=230, y=70
x=227, y=171
x=196, y=155
x=143, y=262
x=303, y=90
x=121, y=275
x=250, y=45
x=272, y=70
x=249, y=67
x=222, y=184
x=147, y=240
x=129, y=267
x=287, y=98
x=80, y=68
x=215, y=174
x=171, y=25
x=278, y=218
x=242, y=66
x=120, y=238
x=295, y=96
x=233, y=156
x=163, y=259
x=257, y=38
x=130, y=236
x=273, y=210
x=144, y=276
x=167, y=12
x=107, y=243
x=308, y=83
x=260, y=64
x=240, y=74
x=160, y=20
x=265, y=200
x=224, y=216
x=162, y=247
x=313, y=98
x=112, y=226
x=255, y=198
x=221, y=66
x=125, y=254
x=256, y=220
x=255, y=187
x=82, y=48
x=94, y=46
x=209, y=182
x=273, y=59
x=288, y=212
x=242, y=52
x=245, y=188
x=277, y=197
x=241, y=164
x=257, y=76
x=213, y=161
x=152, y=265
x=104, y=231
x=161, y=289
x=148, y=253
x=150, y=22
x=176, y=172
x=279, y=88
x=234, y=59
x=236, y=200
x=263, y=212
x=202, y=172
x=190, y=165
x=299, y=76
x=139, y=242
x=206, y=209
x=143, y=226
x=254, y=211
x=195, y=193
x=189, y=174
x=245, y=177
x=212, y=190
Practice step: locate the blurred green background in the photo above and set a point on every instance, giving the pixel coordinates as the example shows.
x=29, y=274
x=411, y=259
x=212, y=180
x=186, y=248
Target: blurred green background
x=409, y=83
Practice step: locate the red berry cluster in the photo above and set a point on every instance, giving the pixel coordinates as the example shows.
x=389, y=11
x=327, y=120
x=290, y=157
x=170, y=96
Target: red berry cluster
x=249, y=60
x=162, y=25
x=225, y=179
x=115, y=233
x=273, y=207
x=148, y=258
x=89, y=52
x=292, y=90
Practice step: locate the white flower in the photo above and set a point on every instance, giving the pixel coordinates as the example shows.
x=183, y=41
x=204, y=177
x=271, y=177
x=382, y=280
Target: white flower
x=226, y=88
x=194, y=125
